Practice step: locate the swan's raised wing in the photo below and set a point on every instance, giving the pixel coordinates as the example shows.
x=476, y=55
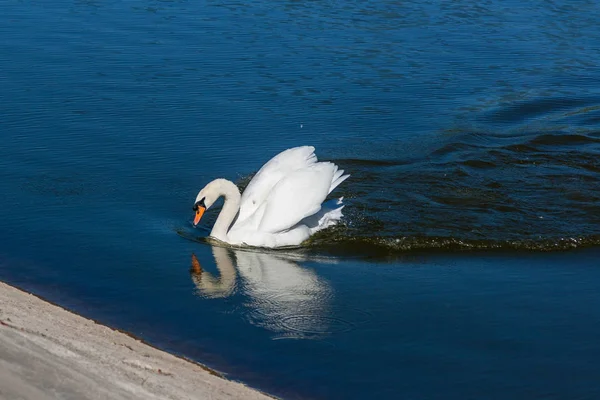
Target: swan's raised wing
x=297, y=196
x=270, y=174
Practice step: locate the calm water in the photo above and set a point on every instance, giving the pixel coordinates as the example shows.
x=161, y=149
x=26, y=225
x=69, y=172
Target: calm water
x=468, y=263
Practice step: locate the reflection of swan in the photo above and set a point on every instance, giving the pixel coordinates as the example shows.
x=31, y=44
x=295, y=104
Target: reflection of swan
x=283, y=296
x=282, y=204
x=210, y=286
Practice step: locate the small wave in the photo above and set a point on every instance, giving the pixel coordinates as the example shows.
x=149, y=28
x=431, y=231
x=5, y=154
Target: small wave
x=391, y=247
x=540, y=107
x=562, y=140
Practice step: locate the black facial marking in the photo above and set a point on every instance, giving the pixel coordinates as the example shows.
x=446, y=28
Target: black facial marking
x=199, y=203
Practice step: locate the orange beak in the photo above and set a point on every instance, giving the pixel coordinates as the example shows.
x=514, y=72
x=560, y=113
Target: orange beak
x=199, y=214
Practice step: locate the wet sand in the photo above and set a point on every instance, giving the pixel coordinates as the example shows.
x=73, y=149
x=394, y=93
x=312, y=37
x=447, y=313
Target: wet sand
x=47, y=352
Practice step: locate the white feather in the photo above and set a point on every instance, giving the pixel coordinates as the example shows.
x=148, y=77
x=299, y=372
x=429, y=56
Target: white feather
x=270, y=174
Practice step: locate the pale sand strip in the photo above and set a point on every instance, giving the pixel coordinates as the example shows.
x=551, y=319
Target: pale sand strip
x=47, y=353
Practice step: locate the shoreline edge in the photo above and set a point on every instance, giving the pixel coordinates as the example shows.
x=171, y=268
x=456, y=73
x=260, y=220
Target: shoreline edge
x=48, y=352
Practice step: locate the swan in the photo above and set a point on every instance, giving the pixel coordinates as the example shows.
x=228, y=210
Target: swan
x=281, y=206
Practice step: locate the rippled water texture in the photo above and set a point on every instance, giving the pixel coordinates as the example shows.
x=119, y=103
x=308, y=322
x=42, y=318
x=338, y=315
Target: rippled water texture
x=475, y=125
x=465, y=125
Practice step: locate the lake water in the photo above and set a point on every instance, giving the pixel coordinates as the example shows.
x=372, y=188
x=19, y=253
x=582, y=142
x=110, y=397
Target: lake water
x=467, y=266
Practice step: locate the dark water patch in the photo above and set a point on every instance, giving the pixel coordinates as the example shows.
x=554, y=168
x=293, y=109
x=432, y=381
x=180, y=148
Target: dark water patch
x=516, y=112
x=479, y=164
x=562, y=140
x=393, y=247
x=516, y=148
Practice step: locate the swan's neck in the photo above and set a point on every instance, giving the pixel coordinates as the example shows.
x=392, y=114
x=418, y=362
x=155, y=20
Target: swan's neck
x=230, y=209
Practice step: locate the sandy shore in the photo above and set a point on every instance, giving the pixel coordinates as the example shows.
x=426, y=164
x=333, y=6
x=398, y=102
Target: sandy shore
x=47, y=352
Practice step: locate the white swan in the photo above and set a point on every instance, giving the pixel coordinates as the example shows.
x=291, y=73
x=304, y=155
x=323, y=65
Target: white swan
x=282, y=204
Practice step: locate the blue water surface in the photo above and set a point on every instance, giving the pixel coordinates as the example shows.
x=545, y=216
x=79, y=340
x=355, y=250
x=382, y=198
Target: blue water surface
x=464, y=125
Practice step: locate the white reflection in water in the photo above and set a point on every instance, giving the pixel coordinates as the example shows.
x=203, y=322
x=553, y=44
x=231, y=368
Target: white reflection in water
x=281, y=295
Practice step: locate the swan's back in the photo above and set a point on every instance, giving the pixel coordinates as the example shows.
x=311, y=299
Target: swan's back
x=283, y=204
x=270, y=174
x=297, y=196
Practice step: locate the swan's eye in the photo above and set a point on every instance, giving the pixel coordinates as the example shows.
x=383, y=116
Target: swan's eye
x=199, y=203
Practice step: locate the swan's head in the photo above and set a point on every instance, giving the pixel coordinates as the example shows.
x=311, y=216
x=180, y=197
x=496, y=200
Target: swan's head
x=199, y=208
x=206, y=198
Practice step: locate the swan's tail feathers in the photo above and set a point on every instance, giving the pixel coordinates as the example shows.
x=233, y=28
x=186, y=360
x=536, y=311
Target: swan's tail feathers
x=328, y=219
x=329, y=215
x=338, y=178
x=338, y=172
